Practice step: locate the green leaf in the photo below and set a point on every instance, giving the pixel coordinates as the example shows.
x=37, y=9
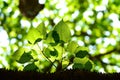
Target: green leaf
x=33, y=35
x=47, y=52
x=80, y=60
x=54, y=53
x=17, y=54
x=81, y=54
x=30, y=67
x=88, y=65
x=78, y=66
x=42, y=30
x=55, y=37
x=63, y=30
x=72, y=47
x=50, y=38
x=26, y=57
x=36, y=34
x=38, y=40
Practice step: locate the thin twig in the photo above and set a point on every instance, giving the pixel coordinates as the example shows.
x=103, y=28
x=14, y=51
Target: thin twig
x=45, y=56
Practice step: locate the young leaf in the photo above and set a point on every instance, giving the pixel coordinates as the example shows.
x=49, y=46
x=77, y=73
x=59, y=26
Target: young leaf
x=54, y=53
x=50, y=38
x=30, y=67
x=55, y=37
x=18, y=53
x=72, y=47
x=81, y=54
x=36, y=34
x=38, y=40
x=46, y=52
x=63, y=31
x=26, y=57
x=33, y=35
x=80, y=60
x=88, y=65
x=78, y=66
x=42, y=30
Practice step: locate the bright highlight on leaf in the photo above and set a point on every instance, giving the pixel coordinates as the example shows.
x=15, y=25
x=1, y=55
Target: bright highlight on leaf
x=63, y=30
x=36, y=34
x=58, y=44
x=72, y=47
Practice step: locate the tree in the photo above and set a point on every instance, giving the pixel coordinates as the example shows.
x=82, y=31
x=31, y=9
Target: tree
x=92, y=33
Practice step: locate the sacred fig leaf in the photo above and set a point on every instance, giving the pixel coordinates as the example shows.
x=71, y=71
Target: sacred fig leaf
x=26, y=57
x=63, y=31
x=33, y=35
x=50, y=38
x=80, y=60
x=56, y=37
x=81, y=54
x=42, y=30
x=54, y=53
x=30, y=67
x=78, y=66
x=88, y=65
x=36, y=34
x=18, y=53
x=72, y=46
x=46, y=52
x=37, y=40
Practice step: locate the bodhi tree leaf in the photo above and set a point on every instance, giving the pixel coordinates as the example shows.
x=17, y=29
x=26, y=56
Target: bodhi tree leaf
x=36, y=34
x=72, y=47
x=50, y=38
x=81, y=54
x=33, y=35
x=30, y=67
x=18, y=53
x=42, y=30
x=26, y=57
x=54, y=53
x=55, y=37
x=80, y=60
x=78, y=66
x=88, y=65
x=63, y=31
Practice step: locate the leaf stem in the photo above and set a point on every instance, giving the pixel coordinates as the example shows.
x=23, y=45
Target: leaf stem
x=46, y=56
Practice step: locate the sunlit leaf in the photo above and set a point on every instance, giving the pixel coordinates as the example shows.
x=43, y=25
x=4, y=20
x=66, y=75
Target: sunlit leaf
x=17, y=54
x=30, y=67
x=37, y=40
x=42, y=30
x=50, y=38
x=80, y=60
x=47, y=52
x=26, y=57
x=60, y=51
x=33, y=35
x=72, y=47
x=63, y=30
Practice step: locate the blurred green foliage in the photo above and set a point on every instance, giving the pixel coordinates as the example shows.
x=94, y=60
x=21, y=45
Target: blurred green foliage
x=92, y=23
